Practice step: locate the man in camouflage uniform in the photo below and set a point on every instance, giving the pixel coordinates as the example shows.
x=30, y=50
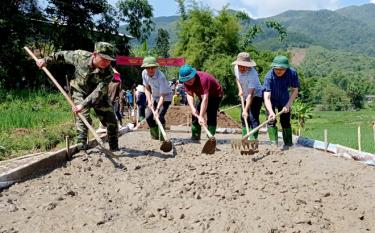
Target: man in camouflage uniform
x=93, y=73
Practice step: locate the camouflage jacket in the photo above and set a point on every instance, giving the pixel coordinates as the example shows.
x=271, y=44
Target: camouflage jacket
x=90, y=81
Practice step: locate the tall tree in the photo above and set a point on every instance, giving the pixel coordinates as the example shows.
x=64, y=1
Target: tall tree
x=17, y=24
x=162, y=43
x=78, y=21
x=182, y=9
x=137, y=14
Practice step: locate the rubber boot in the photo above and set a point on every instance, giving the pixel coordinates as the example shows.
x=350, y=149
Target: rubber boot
x=287, y=137
x=244, y=131
x=196, y=132
x=154, y=131
x=272, y=134
x=254, y=136
x=212, y=129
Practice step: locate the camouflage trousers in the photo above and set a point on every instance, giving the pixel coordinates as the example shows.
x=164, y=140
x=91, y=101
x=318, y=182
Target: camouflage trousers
x=104, y=111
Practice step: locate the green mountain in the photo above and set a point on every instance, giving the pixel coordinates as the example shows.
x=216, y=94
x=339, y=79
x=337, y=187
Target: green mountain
x=350, y=28
x=341, y=29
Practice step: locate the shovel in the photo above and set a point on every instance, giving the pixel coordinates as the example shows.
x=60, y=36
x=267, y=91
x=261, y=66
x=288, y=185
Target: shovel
x=83, y=118
x=251, y=146
x=210, y=146
x=166, y=145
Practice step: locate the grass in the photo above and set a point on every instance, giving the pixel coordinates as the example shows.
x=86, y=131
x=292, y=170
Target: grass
x=33, y=121
x=341, y=126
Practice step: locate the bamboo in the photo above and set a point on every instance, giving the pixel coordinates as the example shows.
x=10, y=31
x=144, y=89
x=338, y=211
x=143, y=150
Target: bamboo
x=67, y=143
x=325, y=139
x=359, y=138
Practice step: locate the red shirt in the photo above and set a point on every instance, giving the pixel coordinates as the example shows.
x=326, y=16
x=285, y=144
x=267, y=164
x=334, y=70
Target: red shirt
x=205, y=83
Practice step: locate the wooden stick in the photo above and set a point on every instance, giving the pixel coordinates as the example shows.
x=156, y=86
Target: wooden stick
x=325, y=139
x=70, y=101
x=373, y=129
x=67, y=143
x=235, y=106
x=359, y=138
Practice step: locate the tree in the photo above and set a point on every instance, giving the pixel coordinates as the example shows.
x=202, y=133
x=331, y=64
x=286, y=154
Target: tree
x=335, y=99
x=17, y=26
x=78, y=22
x=203, y=35
x=137, y=14
x=181, y=9
x=301, y=112
x=162, y=43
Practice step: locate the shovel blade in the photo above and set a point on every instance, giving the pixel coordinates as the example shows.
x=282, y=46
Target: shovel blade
x=210, y=146
x=166, y=146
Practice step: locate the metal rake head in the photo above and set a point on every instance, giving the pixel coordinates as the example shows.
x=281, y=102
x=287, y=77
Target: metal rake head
x=246, y=147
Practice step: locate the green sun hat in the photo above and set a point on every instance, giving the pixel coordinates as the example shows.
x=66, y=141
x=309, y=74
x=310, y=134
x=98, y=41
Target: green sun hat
x=149, y=62
x=105, y=50
x=186, y=73
x=280, y=62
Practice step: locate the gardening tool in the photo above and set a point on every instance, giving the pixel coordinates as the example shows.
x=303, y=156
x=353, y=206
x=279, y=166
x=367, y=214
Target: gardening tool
x=250, y=147
x=235, y=106
x=83, y=118
x=166, y=145
x=245, y=119
x=210, y=146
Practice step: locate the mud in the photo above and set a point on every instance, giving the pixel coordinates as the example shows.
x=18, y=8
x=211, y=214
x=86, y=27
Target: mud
x=299, y=190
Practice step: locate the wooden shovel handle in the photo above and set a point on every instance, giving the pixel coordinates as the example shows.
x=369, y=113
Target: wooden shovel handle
x=160, y=125
x=243, y=109
x=70, y=101
x=207, y=131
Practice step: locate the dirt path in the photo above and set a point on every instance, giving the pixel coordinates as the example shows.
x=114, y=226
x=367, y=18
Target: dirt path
x=300, y=190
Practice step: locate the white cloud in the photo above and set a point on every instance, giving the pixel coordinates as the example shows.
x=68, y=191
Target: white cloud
x=372, y=1
x=266, y=8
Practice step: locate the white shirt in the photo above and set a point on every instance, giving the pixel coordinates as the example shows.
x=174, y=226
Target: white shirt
x=159, y=85
x=248, y=80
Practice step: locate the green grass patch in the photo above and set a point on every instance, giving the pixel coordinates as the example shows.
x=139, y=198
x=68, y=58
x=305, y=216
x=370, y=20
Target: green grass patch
x=33, y=121
x=342, y=127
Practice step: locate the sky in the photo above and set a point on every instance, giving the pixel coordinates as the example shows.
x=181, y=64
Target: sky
x=256, y=8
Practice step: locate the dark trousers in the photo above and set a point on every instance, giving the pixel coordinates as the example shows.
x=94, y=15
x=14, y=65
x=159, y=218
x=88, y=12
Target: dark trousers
x=104, y=111
x=162, y=111
x=116, y=109
x=284, y=118
x=212, y=108
x=254, y=111
x=141, y=111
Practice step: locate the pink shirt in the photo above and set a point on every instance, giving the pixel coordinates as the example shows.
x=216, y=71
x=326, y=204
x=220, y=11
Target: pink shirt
x=205, y=83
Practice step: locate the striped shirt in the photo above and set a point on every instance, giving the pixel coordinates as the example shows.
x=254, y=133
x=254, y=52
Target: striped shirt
x=278, y=86
x=159, y=85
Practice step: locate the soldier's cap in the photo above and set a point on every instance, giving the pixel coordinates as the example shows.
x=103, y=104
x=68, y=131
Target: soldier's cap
x=105, y=50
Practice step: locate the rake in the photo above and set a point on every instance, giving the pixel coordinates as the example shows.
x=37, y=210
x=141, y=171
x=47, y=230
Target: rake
x=250, y=146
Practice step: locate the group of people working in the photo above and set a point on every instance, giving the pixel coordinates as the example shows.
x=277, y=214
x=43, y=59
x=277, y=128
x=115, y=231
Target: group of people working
x=94, y=77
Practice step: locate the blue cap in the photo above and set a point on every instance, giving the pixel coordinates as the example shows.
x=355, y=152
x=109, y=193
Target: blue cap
x=186, y=73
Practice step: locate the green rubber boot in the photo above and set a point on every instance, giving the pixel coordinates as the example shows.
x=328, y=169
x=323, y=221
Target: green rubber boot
x=244, y=131
x=196, y=132
x=254, y=136
x=154, y=131
x=288, y=137
x=212, y=129
x=272, y=134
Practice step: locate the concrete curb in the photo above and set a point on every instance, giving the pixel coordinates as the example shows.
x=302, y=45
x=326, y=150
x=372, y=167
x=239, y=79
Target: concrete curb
x=28, y=166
